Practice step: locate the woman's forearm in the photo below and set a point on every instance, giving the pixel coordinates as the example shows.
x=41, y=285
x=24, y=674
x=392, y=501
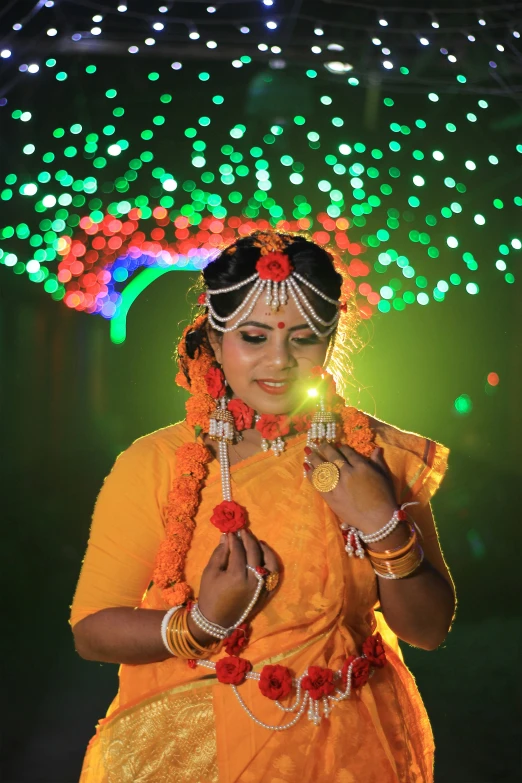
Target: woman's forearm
x=123, y=634
x=418, y=608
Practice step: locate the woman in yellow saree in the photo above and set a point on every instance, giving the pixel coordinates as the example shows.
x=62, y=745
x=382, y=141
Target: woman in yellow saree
x=176, y=722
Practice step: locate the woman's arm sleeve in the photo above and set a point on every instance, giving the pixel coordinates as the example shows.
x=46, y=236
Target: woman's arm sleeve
x=423, y=474
x=125, y=533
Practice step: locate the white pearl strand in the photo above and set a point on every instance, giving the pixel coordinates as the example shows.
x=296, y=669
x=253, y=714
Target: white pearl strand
x=254, y=294
x=371, y=538
x=302, y=699
x=305, y=315
x=218, y=631
x=306, y=304
x=275, y=294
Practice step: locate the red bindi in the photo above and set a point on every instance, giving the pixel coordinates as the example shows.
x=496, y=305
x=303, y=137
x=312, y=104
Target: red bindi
x=281, y=325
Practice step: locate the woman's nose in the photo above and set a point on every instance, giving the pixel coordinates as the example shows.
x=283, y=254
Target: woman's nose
x=281, y=355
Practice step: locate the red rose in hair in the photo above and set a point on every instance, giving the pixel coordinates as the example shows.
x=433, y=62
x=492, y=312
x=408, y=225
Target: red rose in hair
x=274, y=266
x=318, y=682
x=215, y=381
x=232, y=670
x=360, y=671
x=243, y=414
x=271, y=426
x=374, y=650
x=275, y=682
x=238, y=639
x=229, y=516
x=202, y=298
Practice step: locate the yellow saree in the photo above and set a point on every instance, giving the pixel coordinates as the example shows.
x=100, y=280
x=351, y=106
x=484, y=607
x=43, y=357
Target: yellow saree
x=169, y=722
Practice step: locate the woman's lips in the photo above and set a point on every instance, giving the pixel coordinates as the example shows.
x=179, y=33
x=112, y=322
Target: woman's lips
x=274, y=389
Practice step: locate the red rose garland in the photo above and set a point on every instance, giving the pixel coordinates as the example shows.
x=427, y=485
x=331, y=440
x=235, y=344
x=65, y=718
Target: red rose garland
x=229, y=516
x=243, y=414
x=273, y=426
x=374, y=650
x=238, y=639
x=360, y=671
x=318, y=682
x=232, y=670
x=275, y=682
x=215, y=381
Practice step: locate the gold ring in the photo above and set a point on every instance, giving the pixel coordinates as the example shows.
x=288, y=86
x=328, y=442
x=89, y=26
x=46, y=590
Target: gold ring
x=271, y=581
x=325, y=477
x=339, y=462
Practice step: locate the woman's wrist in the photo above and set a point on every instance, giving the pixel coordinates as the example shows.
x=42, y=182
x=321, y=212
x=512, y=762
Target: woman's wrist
x=397, y=538
x=199, y=635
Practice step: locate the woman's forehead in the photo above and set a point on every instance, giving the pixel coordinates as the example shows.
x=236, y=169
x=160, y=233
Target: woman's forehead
x=288, y=314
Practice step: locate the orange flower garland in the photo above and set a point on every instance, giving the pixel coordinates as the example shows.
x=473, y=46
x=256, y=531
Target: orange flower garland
x=191, y=461
x=192, y=458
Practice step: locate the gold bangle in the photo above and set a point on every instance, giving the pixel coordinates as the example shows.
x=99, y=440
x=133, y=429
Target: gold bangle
x=193, y=644
x=174, y=635
x=401, y=568
x=392, y=553
x=396, y=562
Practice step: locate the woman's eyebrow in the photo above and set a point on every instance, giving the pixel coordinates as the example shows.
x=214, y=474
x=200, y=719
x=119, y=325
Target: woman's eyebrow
x=271, y=328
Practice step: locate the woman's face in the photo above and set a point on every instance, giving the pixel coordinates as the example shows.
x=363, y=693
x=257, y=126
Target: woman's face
x=270, y=347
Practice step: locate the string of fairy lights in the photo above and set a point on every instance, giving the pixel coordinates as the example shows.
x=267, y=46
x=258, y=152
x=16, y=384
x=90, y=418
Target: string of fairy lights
x=100, y=213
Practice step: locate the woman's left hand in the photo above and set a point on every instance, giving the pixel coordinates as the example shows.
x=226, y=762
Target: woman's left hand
x=365, y=494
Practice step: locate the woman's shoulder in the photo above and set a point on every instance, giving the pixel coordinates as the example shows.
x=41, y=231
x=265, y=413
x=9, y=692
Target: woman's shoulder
x=418, y=462
x=387, y=434
x=164, y=440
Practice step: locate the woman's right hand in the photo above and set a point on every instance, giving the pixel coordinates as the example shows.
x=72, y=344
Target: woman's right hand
x=227, y=585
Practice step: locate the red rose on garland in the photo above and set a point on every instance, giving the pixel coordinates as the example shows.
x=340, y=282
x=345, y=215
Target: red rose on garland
x=374, y=650
x=318, y=682
x=215, y=381
x=232, y=670
x=301, y=421
x=274, y=266
x=238, y=639
x=243, y=414
x=271, y=426
x=275, y=682
x=229, y=516
x=360, y=671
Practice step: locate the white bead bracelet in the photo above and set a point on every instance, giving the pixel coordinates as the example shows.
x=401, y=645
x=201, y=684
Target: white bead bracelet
x=218, y=631
x=164, y=626
x=371, y=538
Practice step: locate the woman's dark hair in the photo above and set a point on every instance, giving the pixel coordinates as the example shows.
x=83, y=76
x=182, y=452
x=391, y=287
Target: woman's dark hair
x=309, y=260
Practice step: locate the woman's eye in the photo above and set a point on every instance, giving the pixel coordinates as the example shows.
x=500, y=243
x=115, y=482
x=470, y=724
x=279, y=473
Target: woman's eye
x=252, y=338
x=306, y=340
x=261, y=338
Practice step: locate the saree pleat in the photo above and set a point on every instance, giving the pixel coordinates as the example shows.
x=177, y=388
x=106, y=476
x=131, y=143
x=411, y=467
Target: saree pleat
x=173, y=723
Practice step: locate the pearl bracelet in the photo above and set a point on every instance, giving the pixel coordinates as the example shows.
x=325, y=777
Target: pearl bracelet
x=218, y=631
x=164, y=626
x=358, y=538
